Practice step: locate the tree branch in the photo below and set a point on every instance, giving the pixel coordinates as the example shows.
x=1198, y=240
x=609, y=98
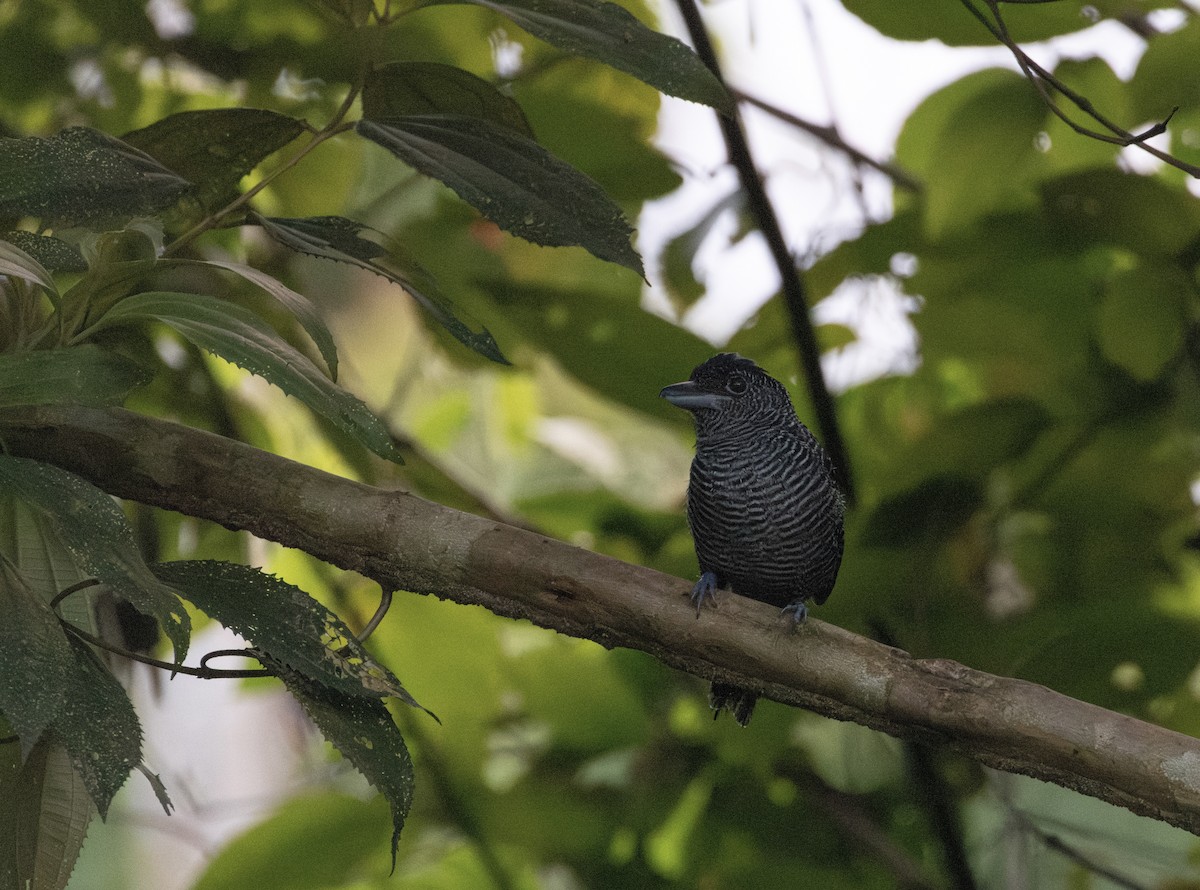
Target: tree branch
x=404, y=542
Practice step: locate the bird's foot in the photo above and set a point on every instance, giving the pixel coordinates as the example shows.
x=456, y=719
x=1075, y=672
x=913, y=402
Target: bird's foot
x=796, y=611
x=705, y=589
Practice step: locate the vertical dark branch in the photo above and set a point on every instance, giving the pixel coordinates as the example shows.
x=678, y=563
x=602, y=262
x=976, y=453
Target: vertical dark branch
x=794, y=294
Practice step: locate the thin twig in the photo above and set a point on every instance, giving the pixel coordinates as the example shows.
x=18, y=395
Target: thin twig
x=1040, y=78
x=202, y=673
x=795, y=295
x=831, y=137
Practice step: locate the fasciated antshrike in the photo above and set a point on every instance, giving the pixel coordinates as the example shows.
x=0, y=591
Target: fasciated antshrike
x=765, y=512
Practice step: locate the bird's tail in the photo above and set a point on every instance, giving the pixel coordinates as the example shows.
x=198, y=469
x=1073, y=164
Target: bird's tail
x=737, y=701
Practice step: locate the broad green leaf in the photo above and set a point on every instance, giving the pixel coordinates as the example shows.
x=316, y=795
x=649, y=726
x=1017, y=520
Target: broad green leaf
x=297, y=304
x=96, y=533
x=365, y=734
x=511, y=180
x=84, y=375
x=1168, y=73
x=1141, y=323
x=35, y=657
x=1143, y=213
x=54, y=687
x=406, y=88
x=313, y=842
x=603, y=125
x=973, y=144
x=611, y=34
x=242, y=338
x=53, y=254
x=82, y=176
x=16, y=262
x=99, y=728
x=950, y=22
x=930, y=512
x=214, y=148
x=336, y=238
x=43, y=829
x=286, y=623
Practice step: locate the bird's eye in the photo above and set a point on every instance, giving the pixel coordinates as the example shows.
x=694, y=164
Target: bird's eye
x=736, y=385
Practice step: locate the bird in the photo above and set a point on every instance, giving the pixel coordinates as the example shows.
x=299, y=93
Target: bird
x=766, y=515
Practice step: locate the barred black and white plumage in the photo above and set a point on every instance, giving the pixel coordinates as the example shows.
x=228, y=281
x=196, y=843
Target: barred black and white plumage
x=765, y=512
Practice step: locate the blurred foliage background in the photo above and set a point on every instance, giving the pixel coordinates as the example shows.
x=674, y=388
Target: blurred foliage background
x=1026, y=487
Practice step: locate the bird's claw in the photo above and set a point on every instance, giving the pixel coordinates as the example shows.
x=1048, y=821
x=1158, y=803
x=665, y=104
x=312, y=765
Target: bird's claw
x=705, y=589
x=797, y=611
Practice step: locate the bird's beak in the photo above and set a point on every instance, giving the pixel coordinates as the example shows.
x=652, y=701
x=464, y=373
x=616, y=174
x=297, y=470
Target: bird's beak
x=690, y=396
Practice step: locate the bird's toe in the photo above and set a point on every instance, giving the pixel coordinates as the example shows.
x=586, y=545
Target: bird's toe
x=705, y=589
x=796, y=611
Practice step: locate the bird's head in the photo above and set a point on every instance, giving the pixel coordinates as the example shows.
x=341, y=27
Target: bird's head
x=730, y=392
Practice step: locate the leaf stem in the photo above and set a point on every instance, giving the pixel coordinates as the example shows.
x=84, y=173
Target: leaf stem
x=336, y=126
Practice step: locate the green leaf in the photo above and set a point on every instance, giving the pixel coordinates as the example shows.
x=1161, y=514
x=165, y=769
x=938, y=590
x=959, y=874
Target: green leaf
x=950, y=22
x=214, y=148
x=363, y=731
x=931, y=511
x=54, y=685
x=16, y=262
x=336, y=238
x=84, y=375
x=1141, y=322
x=286, y=623
x=82, y=176
x=512, y=181
x=53, y=253
x=242, y=338
x=1143, y=213
x=35, y=658
x=973, y=144
x=313, y=842
x=43, y=830
x=99, y=728
x=606, y=32
x=408, y=88
x=297, y=304
x=96, y=533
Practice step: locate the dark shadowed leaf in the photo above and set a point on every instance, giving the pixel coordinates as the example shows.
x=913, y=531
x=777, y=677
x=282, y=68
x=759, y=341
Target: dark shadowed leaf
x=512, y=181
x=336, y=238
x=611, y=34
x=242, y=338
x=99, y=728
x=44, y=828
x=932, y=511
x=54, y=686
x=405, y=88
x=82, y=176
x=84, y=375
x=363, y=731
x=35, y=658
x=1142, y=213
x=297, y=304
x=17, y=263
x=96, y=533
x=53, y=253
x=213, y=149
x=286, y=623
x=1141, y=322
